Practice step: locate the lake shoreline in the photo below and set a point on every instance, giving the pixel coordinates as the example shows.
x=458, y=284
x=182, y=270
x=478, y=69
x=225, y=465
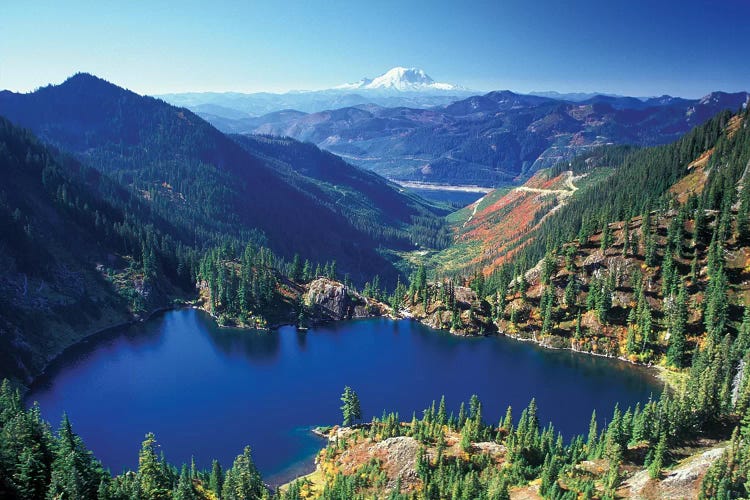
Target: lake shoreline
x=657, y=371
x=26, y=387
x=660, y=373
x=193, y=346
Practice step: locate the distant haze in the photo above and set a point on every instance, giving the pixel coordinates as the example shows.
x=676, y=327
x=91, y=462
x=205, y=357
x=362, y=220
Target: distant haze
x=684, y=48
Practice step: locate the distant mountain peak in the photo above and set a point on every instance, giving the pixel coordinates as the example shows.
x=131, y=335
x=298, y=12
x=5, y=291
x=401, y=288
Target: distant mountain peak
x=401, y=79
x=86, y=82
x=82, y=78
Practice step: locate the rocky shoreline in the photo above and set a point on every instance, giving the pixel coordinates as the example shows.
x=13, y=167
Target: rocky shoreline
x=330, y=300
x=99, y=332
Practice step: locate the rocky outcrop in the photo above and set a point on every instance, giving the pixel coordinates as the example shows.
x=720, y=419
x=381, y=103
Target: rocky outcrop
x=681, y=481
x=400, y=459
x=331, y=300
x=473, y=316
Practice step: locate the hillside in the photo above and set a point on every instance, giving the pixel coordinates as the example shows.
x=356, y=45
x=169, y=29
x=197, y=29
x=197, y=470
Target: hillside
x=385, y=210
x=494, y=139
x=667, y=285
x=609, y=183
x=78, y=253
x=204, y=182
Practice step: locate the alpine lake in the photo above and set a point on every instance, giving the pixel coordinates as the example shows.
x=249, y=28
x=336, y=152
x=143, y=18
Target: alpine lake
x=207, y=391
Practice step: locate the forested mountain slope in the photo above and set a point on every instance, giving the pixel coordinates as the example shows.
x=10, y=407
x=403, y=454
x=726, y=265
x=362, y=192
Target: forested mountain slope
x=81, y=253
x=493, y=139
x=650, y=262
x=78, y=253
x=381, y=208
x=208, y=184
x=607, y=184
x=654, y=270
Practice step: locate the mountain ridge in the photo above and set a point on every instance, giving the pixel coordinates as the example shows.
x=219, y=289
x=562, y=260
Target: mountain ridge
x=214, y=186
x=495, y=139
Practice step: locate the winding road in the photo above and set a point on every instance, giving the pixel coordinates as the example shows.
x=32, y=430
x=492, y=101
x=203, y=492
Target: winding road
x=562, y=194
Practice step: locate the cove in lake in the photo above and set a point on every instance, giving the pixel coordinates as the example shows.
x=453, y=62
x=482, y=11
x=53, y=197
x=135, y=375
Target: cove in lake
x=207, y=391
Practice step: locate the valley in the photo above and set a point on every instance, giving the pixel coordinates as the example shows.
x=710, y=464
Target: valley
x=490, y=140
x=306, y=274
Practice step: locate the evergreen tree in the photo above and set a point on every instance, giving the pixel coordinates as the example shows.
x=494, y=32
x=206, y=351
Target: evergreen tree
x=216, y=479
x=75, y=472
x=243, y=480
x=185, y=489
x=717, y=306
x=152, y=481
x=678, y=324
x=307, y=272
x=625, y=237
x=351, y=407
x=571, y=290
x=296, y=273
x=657, y=461
x=592, y=441
x=606, y=240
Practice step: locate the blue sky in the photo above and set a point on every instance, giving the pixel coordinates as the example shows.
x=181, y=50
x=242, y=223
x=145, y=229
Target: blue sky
x=685, y=48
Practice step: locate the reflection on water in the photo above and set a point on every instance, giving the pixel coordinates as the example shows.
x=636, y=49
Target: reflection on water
x=255, y=345
x=207, y=391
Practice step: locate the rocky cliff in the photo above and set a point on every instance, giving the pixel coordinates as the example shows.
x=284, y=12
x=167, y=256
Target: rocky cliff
x=331, y=300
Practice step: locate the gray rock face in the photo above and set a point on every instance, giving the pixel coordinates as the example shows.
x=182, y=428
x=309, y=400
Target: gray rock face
x=331, y=300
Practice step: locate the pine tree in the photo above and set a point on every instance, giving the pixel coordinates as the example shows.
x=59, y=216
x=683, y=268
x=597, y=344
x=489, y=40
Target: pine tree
x=667, y=273
x=307, y=272
x=717, y=306
x=603, y=302
x=548, y=298
x=30, y=478
x=645, y=323
x=592, y=441
x=466, y=435
x=185, y=489
x=657, y=460
x=243, y=480
x=631, y=345
x=296, y=271
x=507, y=424
x=75, y=471
x=606, y=240
x=351, y=406
x=571, y=290
x=548, y=268
x=151, y=479
x=677, y=340
x=216, y=479
x=650, y=251
x=441, y=415
x=625, y=237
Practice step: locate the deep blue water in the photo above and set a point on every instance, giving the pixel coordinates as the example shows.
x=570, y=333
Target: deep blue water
x=207, y=392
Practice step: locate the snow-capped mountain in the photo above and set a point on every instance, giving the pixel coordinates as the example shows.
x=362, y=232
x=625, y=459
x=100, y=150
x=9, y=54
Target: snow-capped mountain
x=402, y=80
x=397, y=87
